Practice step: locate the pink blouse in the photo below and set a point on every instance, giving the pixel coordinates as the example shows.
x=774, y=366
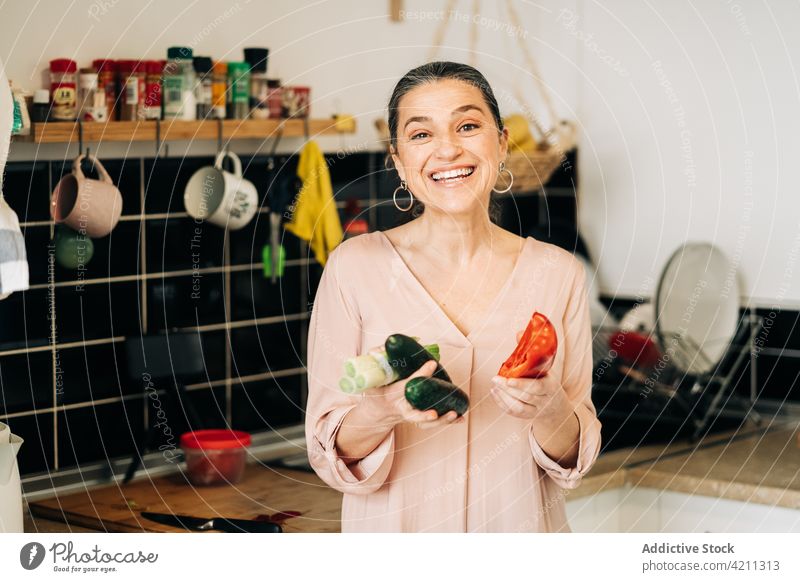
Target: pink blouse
x=488, y=474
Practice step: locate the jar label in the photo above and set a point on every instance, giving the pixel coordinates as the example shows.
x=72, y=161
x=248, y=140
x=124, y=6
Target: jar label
x=64, y=102
x=132, y=91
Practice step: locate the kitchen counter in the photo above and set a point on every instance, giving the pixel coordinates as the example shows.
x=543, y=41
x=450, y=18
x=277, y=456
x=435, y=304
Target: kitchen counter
x=756, y=465
x=263, y=492
x=753, y=464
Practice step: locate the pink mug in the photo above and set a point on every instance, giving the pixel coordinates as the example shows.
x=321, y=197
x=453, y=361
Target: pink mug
x=92, y=207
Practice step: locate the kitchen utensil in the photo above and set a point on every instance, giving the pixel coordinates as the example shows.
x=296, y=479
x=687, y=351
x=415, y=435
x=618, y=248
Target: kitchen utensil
x=220, y=197
x=273, y=267
x=213, y=523
x=281, y=192
x=278, y=517
x=697, y=307
x=215, y=456
x=10, y=491
x=89, y=206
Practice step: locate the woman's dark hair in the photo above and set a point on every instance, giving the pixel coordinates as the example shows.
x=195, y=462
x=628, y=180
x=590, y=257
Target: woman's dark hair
x=429, y=73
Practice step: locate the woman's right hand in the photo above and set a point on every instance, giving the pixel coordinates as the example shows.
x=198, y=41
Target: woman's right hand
x=388, y=404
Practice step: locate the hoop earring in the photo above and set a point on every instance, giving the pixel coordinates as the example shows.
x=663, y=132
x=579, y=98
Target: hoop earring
x=402, y=186
x=510, y=179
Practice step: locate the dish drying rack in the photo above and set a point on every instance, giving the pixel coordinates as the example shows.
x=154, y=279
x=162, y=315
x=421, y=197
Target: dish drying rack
x=699, y=395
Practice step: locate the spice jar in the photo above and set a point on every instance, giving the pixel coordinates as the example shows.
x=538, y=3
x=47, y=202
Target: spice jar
x=259, y=89
x=152, y=90
x=238, y=90
x=202, y=69
x=295, y=101
x=107, y=81
x=219, y=88
x=131, y=88
x=91, y=98
x=41, y=106
x=63, y=89
x=178, y=84
x=274, y=98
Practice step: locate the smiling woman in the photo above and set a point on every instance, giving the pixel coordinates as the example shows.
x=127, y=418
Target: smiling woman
x=454, y=278
x=468, y=120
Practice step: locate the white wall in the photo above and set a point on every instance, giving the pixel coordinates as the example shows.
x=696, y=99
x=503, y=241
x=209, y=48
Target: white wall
x=701, y=147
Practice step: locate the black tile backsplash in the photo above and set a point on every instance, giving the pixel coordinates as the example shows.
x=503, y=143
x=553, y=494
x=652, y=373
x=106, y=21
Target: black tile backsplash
x=30, y=374
x=265, y=348
x=99, y=432
x=96, y=311
x=38, y=451
x=25, y=319
x=176, y=244
x=267, y=404
x=98, y=411
x=22, y=178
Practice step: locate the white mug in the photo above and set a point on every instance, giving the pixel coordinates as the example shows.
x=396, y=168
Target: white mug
x=222, y=198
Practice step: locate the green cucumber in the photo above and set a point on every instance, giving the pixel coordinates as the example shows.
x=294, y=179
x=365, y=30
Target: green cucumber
x=425, y=393
x=406, y=356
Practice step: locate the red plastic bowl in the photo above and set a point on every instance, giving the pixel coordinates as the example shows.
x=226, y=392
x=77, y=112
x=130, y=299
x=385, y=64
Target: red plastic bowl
x=215, y=456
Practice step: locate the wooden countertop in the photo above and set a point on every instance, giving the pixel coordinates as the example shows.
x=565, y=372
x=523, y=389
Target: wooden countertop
x=756, y=465
x=264, y=490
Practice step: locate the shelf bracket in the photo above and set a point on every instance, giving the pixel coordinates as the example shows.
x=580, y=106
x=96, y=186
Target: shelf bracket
x=219, y=134
x=158, y=138
x=275, y=143
x=80, y=137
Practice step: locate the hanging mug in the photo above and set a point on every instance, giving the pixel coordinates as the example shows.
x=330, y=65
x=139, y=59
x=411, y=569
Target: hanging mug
x=92, y=207
x=220, y=197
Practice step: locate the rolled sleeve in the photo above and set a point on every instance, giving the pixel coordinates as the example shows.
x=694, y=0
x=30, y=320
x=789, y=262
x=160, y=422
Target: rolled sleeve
x=334, y=335
x=577, y=383
x=588, y=449
x=361, y=477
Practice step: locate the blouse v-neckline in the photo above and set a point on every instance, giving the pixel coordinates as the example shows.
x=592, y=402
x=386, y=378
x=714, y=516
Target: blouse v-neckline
x=484, y=320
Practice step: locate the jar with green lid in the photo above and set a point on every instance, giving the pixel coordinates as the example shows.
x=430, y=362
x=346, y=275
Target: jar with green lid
x=238, y=90
x=178, y=85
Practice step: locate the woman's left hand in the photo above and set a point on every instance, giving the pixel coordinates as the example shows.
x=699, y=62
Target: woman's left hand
x=541, y=398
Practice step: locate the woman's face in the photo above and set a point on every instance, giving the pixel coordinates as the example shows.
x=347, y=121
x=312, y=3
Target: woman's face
x=448, y=146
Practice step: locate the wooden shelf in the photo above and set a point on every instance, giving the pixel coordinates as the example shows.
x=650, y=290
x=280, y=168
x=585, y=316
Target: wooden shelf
x=134, y=131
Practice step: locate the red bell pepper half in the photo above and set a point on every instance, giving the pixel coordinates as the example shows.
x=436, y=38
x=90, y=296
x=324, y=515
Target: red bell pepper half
x=535, y=351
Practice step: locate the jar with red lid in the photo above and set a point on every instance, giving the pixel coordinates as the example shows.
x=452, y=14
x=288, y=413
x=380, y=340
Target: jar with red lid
x=63, y=89
x=152, y=96
x=132, y=81
x=215, y=456
x=107, y=81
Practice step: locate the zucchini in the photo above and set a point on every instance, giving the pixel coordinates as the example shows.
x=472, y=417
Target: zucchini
x=434, y=394
x=406, y=356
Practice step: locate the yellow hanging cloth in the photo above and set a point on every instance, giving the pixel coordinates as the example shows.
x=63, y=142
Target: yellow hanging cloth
x=315, y=217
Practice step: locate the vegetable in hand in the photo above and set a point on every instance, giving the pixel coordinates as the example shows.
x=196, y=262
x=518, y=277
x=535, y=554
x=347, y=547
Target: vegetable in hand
x=406, y=356
x=535, y=352
x=375, y=369
x=429, y=393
